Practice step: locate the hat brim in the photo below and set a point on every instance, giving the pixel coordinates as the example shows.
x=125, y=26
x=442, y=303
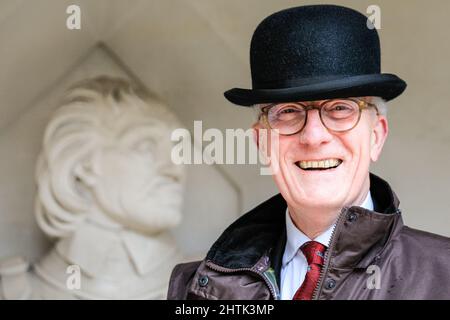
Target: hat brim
x=385, y=85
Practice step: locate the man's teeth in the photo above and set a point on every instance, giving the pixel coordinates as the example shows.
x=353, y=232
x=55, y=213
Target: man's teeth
x=322, y=164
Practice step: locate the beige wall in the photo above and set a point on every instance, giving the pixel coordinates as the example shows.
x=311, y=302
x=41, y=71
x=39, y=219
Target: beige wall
x=190, y=52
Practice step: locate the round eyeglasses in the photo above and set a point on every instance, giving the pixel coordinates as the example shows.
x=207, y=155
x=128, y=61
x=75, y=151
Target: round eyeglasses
x=338, y=115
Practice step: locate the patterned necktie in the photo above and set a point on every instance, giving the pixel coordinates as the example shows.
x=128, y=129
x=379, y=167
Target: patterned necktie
x=314, y=253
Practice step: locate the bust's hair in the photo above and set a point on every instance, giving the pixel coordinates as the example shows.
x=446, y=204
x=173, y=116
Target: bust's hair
x=83, y=123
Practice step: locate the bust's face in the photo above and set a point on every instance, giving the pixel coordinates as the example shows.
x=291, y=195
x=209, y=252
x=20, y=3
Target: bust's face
x=135, y=181
x=106, y=156
x=330, y=188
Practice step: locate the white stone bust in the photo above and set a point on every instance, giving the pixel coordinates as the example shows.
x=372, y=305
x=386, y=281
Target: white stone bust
x=108, y=194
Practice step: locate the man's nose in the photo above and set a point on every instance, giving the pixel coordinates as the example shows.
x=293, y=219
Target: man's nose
x=314, y=133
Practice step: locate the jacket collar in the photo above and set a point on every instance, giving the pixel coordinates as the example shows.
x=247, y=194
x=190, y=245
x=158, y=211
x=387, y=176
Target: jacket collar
x=295, y=239
x=356, y=242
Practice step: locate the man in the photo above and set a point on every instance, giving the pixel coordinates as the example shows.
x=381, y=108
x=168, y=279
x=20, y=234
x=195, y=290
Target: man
x=335, y=230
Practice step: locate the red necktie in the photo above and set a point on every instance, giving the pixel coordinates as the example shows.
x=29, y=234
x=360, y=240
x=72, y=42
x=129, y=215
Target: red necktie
x=314, y=253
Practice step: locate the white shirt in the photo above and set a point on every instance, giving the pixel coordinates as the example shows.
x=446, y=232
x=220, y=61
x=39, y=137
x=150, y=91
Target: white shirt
x=294, y=264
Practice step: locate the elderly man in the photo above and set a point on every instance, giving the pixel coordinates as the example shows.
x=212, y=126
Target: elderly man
x=335, y=230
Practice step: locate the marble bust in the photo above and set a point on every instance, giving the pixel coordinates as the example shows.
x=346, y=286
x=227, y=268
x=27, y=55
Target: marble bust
x=107, y=194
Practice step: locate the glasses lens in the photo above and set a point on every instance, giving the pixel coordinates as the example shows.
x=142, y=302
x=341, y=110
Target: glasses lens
x=340, y=115
x=288, y=118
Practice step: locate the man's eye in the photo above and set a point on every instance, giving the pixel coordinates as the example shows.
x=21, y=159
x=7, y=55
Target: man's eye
x=340, y=108
x=289, y=110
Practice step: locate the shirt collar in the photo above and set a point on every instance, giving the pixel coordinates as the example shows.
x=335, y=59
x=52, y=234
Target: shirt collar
x=296, y=238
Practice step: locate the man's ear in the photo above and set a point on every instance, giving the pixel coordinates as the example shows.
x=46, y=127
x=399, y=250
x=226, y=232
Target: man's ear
x=378, y=137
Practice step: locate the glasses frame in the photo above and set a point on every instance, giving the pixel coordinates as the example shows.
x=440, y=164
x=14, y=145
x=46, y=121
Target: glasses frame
x=362, y=104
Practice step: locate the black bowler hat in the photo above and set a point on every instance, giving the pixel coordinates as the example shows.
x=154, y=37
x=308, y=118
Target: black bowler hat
x=313, y=53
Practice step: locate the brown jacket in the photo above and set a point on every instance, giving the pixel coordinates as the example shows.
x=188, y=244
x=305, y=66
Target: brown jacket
x=372, y=255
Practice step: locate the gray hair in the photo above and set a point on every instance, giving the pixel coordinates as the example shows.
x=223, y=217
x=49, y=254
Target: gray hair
x=381, y=105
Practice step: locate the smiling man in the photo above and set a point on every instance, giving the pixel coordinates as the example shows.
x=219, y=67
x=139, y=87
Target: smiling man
x=335, y=231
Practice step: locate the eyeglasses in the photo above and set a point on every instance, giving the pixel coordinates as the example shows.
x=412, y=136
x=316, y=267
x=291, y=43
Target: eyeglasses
x=337, y=115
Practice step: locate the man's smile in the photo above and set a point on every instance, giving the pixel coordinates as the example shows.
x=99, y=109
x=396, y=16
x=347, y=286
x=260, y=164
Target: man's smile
x=323, y=164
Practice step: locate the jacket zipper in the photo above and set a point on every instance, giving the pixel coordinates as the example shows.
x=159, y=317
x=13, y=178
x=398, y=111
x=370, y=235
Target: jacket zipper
x=327, y=257
x=227, y=270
